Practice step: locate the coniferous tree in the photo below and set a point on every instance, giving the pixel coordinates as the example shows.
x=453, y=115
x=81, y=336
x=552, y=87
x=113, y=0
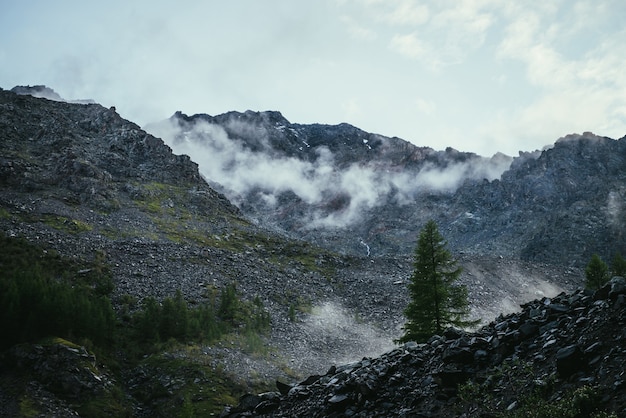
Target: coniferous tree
x=229, y=304
x=596, y=273
x=618, y=265
x=149, y=320
x=436, y=301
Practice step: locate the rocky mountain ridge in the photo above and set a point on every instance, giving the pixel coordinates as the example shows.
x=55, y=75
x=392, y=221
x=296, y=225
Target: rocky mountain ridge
x=372, y=193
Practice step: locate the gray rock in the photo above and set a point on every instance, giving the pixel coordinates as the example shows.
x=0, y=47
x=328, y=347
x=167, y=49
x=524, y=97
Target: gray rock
x=569, y=360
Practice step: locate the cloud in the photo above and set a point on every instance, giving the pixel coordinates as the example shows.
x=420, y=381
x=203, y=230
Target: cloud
x=332, y=322
x=410, y=46
x=425, y=106
x=440, y=35
x=615, y=208
x=358, y=31
x=407, y=12
x=336, y=197
x=571, y=68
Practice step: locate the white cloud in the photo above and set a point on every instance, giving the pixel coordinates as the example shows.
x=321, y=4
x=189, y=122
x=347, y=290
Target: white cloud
x=410, y=46
x=351, y=108
x=358, y=31
x=425, y=106
x=578, y=85
x=338, y=197
x=407, y=12
x=444, y=35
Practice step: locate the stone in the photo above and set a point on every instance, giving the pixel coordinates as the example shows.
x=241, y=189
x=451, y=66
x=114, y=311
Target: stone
x=283, y=388
x=248, y=402
x=618, y=287
x=339, y=402
x=310, y=380
x=299, y=392
x=528, y=329
x=458, y=355
x=569, y=360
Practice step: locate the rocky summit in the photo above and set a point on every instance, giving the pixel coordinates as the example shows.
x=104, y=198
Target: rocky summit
x=312, y=228
x=367, y=194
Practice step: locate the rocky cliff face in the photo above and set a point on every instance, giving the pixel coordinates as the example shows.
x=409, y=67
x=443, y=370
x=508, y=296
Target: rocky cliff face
x=361, y=193
x=560, y=207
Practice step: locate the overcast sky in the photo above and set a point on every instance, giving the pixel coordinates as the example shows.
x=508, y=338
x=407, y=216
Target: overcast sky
x=478, y=75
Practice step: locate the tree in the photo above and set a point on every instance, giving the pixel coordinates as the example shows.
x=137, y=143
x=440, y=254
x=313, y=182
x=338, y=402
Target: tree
x=618, y=265
x=436, y=301
x=596, y=273
x=229, y=304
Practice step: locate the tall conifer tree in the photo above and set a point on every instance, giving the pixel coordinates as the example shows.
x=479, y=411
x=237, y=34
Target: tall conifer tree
x=436, y=301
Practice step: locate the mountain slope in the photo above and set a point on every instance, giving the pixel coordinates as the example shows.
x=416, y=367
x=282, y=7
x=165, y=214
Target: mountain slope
x=78, y=180
x=558, y=357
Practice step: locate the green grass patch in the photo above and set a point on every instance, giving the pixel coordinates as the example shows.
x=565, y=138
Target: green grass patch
x=175, y=385
x=5, y=214
x=58, y=222
x=28, y=407
x=65, y=224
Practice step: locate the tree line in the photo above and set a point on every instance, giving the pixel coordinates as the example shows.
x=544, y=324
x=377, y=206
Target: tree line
x=42, y=294
x=598, y=273
x=45, y=295
x=173, y=318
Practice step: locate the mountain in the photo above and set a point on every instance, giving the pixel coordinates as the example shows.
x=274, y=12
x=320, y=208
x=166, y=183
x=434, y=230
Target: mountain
x=365, y=194
x=313, y=225
x=82, y=184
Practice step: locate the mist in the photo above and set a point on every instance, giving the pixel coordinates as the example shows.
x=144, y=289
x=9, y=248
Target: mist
x=337, y=197
x=330, y=323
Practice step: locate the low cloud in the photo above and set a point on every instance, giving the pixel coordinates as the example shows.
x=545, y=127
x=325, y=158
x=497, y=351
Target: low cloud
x=336, y=197
x=332, y=323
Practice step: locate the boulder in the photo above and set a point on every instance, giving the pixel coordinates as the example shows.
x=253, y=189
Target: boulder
x=569, y=360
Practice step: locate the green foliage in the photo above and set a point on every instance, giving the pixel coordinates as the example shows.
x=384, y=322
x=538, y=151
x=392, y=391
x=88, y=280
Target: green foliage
x=187, y=408
x=229, y=302
x=491, y=396
x=47, y=298
x=62, y=223
x=584, y=402
x=618, y=265
x=596, y=273
x=292, y=313
x=44, y=295
x=436, y=301
x=200, y=390
x=28, y=409
x=173, y=319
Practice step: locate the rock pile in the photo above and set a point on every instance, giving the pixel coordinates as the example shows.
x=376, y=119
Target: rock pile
x=59, y=373
x=552, y=346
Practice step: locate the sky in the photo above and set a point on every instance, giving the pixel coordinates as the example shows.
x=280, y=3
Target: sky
x=483, y=76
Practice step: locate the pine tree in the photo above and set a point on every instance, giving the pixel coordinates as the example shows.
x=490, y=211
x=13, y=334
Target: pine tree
x=618, y=265
x=596, y=273
x=436, y=301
